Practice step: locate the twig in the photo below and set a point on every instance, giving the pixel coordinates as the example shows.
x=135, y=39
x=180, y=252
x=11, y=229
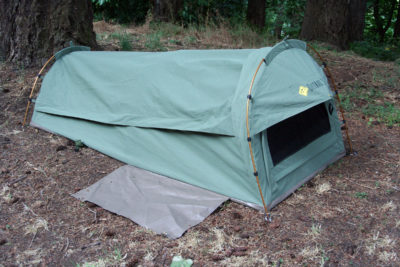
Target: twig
x=66, y=248
x=358, y=249
x=41, y=171
x=33, y=239
x=37, y=169
x=101, y=232
x=18, y=180
x=95, y=215
x=351, y=223
x=91, y=245
x=26, y=207
x=359, y=184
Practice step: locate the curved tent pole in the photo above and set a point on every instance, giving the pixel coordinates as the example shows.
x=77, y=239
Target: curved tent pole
x=33, y=89
x=267, y=216
x=56, y=56
x=337, y=95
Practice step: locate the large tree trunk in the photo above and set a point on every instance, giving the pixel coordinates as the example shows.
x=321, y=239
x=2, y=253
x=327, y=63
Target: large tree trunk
x=33, y=30
x=396, y=33
x=256, y=13
x=167, y=10
x=335, y=21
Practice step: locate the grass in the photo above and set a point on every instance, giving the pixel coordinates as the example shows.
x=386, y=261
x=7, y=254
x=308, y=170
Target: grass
x=125, y=42
x=153, y=42
x=387, y=113
x=361, y=195
x=384, y=52
x=168, y=36
x=124, y=39
x=114, y=259
x=371, y=102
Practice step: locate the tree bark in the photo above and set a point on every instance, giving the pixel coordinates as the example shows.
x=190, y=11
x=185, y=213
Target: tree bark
x=396, y=33
x=167, y=10
x=338, y=22
x=33, y=30
x=256, y=13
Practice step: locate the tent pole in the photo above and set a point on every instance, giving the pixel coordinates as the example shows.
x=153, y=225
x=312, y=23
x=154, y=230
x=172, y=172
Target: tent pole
x=267, y=215
x=33, y=88
x=337, y=95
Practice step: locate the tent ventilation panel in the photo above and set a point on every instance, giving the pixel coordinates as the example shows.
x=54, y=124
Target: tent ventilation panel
x=291, y=135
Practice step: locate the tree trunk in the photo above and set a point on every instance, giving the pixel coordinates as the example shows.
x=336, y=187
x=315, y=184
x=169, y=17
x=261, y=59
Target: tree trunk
x=33, y=30
x=256, y=13
x=396, y=33
x=167, y=10
x=338, y=22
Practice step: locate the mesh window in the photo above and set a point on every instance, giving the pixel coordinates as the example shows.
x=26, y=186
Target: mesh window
x=289, y=136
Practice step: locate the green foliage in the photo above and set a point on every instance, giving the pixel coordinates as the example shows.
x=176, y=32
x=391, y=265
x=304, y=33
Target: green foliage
x=209, y=11
x=387, y=113
x=371, y=104
x=153, y=42
x=284, y=17
x=166, y=29
x=125, y=42
x=190, y=40
x=78, y=145
x=374, y=50
x=371, y=27
x=121, y=11
x=361, y=195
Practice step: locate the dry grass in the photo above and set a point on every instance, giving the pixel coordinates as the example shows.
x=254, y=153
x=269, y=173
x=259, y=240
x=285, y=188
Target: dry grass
x=389, y=206
x=310, y=253
x=254, y=258
x=323, y=188
x=381, y=246
x=387, y=257
x=37, y=225
x=167, y=36
x=315, y=232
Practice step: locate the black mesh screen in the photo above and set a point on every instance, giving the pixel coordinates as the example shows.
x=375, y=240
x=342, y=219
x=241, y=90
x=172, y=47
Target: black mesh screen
x=289, y=136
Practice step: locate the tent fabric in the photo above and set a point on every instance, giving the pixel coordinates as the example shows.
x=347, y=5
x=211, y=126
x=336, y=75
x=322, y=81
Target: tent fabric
x=182, y=114
x=163, y=205
x=70, y=49
x=155, y=90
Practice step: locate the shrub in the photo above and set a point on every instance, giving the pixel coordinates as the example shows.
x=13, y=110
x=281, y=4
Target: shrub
x=369, y=49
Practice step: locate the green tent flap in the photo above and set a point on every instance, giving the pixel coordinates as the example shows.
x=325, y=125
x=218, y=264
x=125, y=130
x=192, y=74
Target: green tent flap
x=154, y=90
x=282, y=46
x=183, y=114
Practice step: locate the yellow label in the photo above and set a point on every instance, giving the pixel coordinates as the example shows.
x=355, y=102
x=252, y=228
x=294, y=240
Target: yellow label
x=303, y=90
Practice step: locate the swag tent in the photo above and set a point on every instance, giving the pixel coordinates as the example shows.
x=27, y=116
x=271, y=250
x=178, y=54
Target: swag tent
x=251, y=124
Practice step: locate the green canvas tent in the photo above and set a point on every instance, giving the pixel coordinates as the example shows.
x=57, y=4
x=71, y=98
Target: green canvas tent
x=216, y=119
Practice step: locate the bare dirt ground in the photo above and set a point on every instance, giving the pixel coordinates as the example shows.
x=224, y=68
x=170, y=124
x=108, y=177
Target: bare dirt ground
x=346, y=216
